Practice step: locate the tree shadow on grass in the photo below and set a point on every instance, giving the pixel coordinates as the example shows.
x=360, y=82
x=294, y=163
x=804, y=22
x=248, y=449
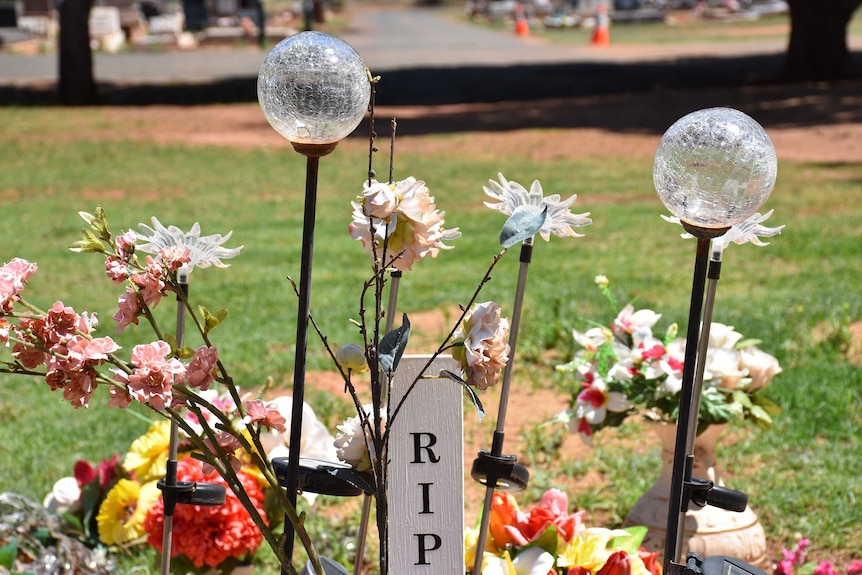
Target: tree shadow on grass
x=633, y=97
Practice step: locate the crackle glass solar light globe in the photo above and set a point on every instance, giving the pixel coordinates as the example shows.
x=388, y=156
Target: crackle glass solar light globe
x=714, y=168
x=313, y=88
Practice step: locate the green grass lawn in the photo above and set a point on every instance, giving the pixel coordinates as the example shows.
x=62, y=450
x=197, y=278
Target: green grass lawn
x=800, y=295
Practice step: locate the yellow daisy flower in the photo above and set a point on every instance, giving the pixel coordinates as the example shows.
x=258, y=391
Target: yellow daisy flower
x=121, y=514
x=148, y=455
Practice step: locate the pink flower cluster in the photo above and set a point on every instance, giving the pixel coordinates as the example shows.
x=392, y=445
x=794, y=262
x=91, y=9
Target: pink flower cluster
x=61, y=342
x=147, y=286
x=154, y=375
x=13, y=276
x=794, y=559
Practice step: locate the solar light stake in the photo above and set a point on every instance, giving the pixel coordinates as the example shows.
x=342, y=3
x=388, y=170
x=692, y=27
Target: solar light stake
x=494, y=464
x=682, y=462
x=314, y=90
x=171, y=468
x=713, y=169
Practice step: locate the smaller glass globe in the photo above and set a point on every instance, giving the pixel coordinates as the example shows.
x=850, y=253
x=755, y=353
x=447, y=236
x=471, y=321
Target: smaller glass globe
x=714, y=168
x=313, y=88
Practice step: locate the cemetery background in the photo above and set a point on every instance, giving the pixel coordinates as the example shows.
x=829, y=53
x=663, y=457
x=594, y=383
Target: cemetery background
x=816, y=131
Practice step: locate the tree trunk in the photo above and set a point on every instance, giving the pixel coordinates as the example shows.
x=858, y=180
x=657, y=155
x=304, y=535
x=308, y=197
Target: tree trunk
x=818, y=40
x=77, y=86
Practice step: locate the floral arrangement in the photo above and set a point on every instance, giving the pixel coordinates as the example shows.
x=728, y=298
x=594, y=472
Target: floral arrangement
x=60, y=345
x=548, y=540
x=624, y=369
x=794, y=561
x=398, y=224
x=118, y=504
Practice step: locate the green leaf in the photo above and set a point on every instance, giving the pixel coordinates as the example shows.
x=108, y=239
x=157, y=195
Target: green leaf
x=629, y=543
x=8, y=553
x=761, y=418
x=89, y=244
x=393, y=344
x=74, y=521
x=548, y=540
x=477, y=403
x=521, y=226
x=185, y=353
x=767, y=405
x=212, y=320
x=742, y=399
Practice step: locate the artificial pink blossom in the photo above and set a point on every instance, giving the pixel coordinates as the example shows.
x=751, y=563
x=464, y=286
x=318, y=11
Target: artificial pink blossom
x=119, y=397
x=126, y=245
x=80, y=388
x=61, y=322
x=153, y=378
x=117, y=269
x=28, y=356
x=230, y=445
x=266, y=413
x=13, y=276
x=485, y=350
x=129, y=309
x=151, y=283
x=200, y=371
x=175, y=256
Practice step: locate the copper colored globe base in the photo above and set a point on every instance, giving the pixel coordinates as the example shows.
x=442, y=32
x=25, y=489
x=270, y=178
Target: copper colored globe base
x=314, y=150
x=704, y=233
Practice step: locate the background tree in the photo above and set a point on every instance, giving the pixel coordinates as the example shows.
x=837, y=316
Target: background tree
x=77, y=86
x=818, y=39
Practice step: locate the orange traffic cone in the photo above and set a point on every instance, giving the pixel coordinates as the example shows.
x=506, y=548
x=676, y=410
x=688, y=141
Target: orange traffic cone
x=521, y=26
x=601, y=36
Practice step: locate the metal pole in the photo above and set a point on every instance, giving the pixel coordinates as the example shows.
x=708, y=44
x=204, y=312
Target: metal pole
x=499, y=432
x=713, y=274
x=302, y=319
x=168, y=495
x=681, y=460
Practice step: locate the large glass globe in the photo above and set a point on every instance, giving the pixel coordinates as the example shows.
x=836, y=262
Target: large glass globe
x=313, y=88
x=714, y=168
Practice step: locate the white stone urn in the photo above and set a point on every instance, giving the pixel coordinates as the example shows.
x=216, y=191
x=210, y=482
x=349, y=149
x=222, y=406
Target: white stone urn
x=708, y=530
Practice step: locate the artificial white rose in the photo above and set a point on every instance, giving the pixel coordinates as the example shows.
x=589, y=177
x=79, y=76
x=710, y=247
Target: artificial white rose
x=723, y=336
x=761, y=366
x=65, y=496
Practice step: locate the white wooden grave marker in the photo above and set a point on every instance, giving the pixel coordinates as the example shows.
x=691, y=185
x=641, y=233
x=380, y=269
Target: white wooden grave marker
x=426, y=471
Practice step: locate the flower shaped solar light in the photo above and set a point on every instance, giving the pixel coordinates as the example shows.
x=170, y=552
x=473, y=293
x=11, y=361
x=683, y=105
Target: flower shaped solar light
x=313, y=89
x=714, y=168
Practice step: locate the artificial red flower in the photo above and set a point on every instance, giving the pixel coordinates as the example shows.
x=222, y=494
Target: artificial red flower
x=209, y=535
x=619, y=563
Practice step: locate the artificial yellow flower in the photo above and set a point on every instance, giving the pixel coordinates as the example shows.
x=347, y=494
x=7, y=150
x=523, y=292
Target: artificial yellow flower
x=148, y=455
x=121, y=514
x=589, y=549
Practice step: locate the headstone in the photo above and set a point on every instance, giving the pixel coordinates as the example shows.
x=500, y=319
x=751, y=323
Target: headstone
x=104, y=21
x=426, y=473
